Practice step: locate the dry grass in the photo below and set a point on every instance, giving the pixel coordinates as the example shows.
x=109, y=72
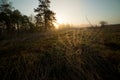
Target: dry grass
x=75, y=54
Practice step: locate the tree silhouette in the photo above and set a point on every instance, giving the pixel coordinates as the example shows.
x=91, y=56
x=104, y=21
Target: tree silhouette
x=103, y=23
x=13, y=20
x=25, y=23
x=5, y=14
x=31, y=23
x=45, y=17
x=16, y=18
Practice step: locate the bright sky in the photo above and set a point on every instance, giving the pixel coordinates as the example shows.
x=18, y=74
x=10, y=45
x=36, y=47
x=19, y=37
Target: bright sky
x=75, y=11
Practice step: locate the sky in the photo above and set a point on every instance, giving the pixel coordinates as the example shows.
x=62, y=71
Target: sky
x=76, y=11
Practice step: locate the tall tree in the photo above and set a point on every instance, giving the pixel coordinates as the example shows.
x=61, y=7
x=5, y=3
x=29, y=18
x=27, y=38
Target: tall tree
x=5, y=14
x=16, y=19
x=25, y=23
x=45, y=17
x=13, y=20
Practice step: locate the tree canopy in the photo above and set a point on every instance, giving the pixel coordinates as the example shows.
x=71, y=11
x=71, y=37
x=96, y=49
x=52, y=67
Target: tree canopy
x=12, y=20
x=45, y=17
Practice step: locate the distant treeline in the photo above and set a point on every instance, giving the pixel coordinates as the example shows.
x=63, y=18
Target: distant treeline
x=13, y=21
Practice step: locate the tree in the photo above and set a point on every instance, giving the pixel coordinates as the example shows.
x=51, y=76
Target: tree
x=5, y=14
x=13, y=20
x=45, y=17
x=31, y=23
x=25, y=23
x=5, y=5
x=103, y=23
x=16, y=19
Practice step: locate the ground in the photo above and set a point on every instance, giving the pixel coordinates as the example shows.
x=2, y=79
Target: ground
x=70, y=54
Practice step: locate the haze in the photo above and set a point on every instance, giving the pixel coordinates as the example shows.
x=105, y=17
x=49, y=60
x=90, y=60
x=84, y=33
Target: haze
x=76, y=11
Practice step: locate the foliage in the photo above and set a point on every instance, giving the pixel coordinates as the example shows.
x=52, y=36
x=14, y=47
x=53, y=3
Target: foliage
x=103, y=23
x=66, y=54
x=13, y=20
x=45, y=17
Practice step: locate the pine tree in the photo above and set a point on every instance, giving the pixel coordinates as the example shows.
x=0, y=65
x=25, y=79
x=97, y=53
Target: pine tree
x=45, y=17
x=5, y=14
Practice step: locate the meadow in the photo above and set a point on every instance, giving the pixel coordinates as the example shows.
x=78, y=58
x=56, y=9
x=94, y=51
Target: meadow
x=91, y=53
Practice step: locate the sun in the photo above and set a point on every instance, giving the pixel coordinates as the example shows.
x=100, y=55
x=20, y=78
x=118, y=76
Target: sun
x=58, y=22
x=56, y=25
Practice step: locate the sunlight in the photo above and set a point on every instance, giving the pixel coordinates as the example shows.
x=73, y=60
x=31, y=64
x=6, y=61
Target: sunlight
x=60, y=20
x=56, y=25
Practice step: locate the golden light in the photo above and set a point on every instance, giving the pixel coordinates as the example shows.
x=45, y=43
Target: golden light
x=58, y=22
x=56, y=25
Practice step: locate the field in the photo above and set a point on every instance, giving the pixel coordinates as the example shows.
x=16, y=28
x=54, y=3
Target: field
x=70, y=54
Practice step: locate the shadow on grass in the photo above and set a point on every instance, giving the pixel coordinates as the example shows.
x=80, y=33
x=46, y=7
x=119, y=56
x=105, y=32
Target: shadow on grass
x=54, y=64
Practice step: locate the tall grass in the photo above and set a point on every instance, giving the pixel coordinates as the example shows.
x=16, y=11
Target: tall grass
x=75, y=54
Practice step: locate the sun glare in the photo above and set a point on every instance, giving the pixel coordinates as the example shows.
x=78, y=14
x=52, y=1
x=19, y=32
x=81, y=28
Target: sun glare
x=58, y=22
x=56, y=25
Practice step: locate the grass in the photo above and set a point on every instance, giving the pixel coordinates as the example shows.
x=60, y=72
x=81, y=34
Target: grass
x=73, y=54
